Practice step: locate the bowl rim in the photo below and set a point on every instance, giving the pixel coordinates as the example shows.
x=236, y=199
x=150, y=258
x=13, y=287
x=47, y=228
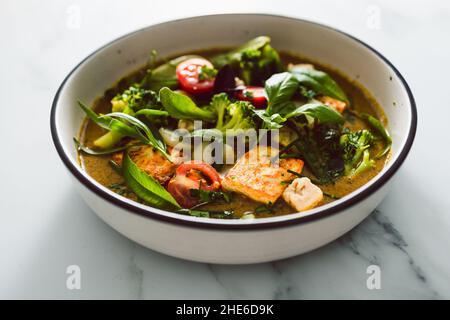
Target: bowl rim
x=263, y=223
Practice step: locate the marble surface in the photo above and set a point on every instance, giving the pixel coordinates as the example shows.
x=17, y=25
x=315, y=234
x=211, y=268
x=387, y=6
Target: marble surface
x=46, y=227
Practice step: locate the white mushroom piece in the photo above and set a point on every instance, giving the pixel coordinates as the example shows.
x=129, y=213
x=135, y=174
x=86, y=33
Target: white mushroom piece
x=302, y=194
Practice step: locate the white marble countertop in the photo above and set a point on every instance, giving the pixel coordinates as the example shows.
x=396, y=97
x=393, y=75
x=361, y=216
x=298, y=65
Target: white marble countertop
x=46, y=226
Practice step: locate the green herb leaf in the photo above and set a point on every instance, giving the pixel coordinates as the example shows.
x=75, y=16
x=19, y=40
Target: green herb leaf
x=236, y=55
x=318, y=81
x=180, y=106
x=145, y=134
x=145, y=186
x=280, y=88
x=274, y=121
x=319, y=111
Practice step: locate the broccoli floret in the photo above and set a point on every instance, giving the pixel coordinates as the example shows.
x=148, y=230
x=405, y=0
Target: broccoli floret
x=129, y=101
x=256, y=66
x=220, y=103
x=134, y=99
x=365, y=164
x=354, y=146
x=232, y=116
x=239, y=115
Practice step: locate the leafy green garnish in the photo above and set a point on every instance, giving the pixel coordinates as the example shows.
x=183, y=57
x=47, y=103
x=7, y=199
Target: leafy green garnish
x=236, y=54
x=318, y=81
x=280, y=89
x=145, y=186
x=207, y=196
x=126, y=125
x=144, y=133
x=180, y=106
x=206, y=73
x=380, y=129
x=323, y=113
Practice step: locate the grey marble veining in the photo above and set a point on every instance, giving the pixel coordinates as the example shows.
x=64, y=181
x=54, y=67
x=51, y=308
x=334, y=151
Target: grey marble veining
x=46, y=226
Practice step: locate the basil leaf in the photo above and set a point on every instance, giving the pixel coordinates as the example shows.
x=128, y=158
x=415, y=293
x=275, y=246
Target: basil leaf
x=145, y=186
x=144, y=132
x=319, y=111
x=273, y=121
x=235, y=55
x=319, y=81
x=180, y=106
x=111, y=124
x=165, y=74
x=280, y=88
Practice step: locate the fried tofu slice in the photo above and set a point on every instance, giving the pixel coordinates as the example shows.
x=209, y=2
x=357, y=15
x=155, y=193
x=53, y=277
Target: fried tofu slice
x=337, y=105
x=257, y=177
x=302, y=194
x=151, y=161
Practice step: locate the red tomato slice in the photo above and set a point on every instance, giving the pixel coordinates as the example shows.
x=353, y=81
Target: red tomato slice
x=256, y=95
x=188, y=76
x=192, y=175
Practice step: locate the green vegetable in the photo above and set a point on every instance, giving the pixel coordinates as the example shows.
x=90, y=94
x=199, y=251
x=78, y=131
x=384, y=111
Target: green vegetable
x=323, y=113
x=253, y=62
x=145, y=186
x=220, y=103
x=133, y=99
x=206, y=73
x=381, y=130
x=123, y=125
x=318, y=145
x=274, y=121
x=180, y=106
x=236, y=55
x=81, y=147
x=280, y=89
x=207, y=196
x=145, y=135
x=239, y=116
x=318, y=81
x=354, y=146
x=165, y=74
x=364, y=165
x=151, y=113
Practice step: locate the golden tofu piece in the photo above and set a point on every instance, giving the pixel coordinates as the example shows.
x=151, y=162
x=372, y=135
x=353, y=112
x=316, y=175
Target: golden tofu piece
x=149, y=160
x=257, y=177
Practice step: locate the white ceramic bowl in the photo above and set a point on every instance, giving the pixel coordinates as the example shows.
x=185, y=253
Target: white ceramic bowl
x=233, y=241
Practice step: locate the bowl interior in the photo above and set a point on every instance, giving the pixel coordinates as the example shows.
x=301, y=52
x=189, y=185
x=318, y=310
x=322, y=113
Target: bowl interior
x=325, y=45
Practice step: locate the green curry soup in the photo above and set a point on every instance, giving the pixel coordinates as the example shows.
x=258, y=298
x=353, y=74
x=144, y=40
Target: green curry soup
x=335, y=130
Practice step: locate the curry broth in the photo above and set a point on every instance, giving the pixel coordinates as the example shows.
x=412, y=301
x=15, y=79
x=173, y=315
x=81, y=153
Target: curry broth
x=99, y=169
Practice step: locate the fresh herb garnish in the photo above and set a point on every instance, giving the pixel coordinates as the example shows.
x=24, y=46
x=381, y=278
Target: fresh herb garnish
x=207, y=196
x=206, y=73
x=145, y=186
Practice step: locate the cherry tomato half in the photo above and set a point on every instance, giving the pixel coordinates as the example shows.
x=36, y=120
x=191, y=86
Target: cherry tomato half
x=256, y=95
x=192, y=175
x=188, y=76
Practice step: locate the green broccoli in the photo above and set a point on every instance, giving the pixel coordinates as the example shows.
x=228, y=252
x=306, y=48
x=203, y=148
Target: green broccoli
x=354, y=146
x=131, y=100
x=220, y=103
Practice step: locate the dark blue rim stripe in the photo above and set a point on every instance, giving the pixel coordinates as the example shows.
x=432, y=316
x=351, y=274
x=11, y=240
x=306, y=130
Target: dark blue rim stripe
x=206, y=223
